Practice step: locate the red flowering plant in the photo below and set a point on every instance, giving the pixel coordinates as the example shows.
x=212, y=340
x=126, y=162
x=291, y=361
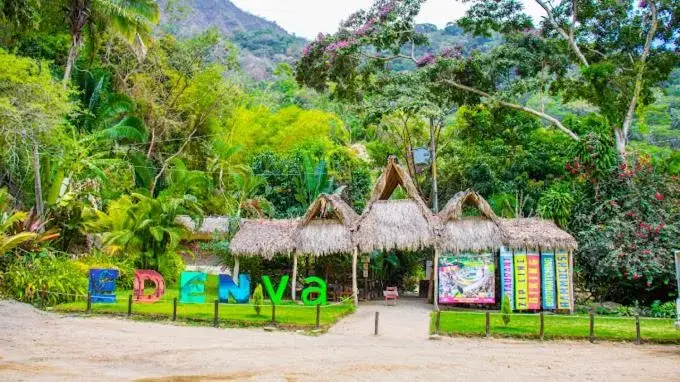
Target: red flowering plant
x=627, y=230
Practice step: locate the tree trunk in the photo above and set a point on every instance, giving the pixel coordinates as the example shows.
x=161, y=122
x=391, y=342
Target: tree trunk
x=433, y=153
x=79, y=15
x=620, y=136
x=39, y=206
x=72, y=54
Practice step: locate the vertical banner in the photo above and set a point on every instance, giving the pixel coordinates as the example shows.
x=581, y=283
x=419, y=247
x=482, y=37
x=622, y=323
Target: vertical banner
x=563, y=280
x=507, y=276
x=467, y=279
x=534, y=279
x=521, y=285
x=548, y=280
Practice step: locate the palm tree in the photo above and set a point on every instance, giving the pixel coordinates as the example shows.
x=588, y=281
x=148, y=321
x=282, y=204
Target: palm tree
x=132, y=19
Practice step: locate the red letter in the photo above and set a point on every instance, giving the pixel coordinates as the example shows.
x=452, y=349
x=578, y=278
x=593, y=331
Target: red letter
x=154, y=277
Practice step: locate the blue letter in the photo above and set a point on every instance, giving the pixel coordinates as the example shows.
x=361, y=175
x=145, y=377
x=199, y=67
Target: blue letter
x=192, y=287
x=241, y=293
x=102, y=285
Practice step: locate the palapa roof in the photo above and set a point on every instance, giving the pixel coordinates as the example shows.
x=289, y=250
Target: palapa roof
x=326, y=228
x=406, y=224
x=468, y=233
x=265, y=238
x=535, y=233
x=210, y=226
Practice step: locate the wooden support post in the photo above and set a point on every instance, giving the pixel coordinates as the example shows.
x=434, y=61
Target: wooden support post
x=487, y=327
x=273, y=313
x=435, y=277
x=638, y=338
x=89, y=303
x=592, y=327
x=541, y=331
x=355, y=287
x=234, y=272
x=377, y=315
x=174, y=309
x=216, y=321
x=293, y=285
x=318, y=316
x=129, y=306
x=437, y=322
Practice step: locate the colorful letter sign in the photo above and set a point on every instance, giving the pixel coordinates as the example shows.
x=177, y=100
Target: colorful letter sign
x=192, y=287
x=467, y=279
x=147, y=275
x=507, y=276
x=548, y=280
x=275, y=297
x=102, y=285
x=534, y=279
x=521, y=280
x=320, y=291
x=241, y=292
x=563, y=283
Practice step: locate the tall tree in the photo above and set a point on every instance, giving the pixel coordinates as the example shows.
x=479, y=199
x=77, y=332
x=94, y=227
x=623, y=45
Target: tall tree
x=132, y=19
x=609, y=53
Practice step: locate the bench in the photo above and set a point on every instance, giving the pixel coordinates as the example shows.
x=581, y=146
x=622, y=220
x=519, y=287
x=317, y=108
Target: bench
x=391, y=293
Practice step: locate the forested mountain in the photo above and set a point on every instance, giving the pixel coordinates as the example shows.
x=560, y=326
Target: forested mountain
x=262, y=43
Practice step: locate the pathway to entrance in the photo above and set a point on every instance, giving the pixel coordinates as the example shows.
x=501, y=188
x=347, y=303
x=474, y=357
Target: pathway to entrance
x=408, y=319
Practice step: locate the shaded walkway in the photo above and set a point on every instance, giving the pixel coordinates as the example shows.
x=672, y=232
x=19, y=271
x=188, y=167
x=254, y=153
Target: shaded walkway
x=408, y=319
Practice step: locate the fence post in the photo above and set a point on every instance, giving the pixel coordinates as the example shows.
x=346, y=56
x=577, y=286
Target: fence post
x=89, y=303
x=273, y=312
x=318, y=316
x=437, y=322
x=174, y=309
x=638, y=338
x=488, y=325
x=129, y=306
x=592, y=327
x=542, y=330
x=216, y=321
x=377, y=314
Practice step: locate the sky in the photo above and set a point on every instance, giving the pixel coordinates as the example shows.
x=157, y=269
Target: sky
x=306, y=18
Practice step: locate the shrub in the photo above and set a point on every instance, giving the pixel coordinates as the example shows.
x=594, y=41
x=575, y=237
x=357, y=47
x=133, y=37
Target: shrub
x=60, y=277
x=665, y=310
x=258, y=299
x=505, y=309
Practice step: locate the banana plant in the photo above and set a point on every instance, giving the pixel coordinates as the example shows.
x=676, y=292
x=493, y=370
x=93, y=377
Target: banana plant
x=313, y=181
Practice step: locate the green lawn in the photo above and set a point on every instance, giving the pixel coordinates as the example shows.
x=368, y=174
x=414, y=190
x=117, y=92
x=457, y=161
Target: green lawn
x=288, y=314
x=557, y=327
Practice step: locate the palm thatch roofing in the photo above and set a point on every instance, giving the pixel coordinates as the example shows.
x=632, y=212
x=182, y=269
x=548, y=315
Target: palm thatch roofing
x=461, y=233
x=210, y=226
x=535, y=233
x=326, y=228
x=265, y=238
x=406, y=224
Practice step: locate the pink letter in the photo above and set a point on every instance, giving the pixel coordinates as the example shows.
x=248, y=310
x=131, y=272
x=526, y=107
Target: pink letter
x=154, y=277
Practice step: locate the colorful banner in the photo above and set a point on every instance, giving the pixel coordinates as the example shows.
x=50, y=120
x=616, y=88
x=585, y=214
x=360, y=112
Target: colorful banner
x=467, y=279
x=507, y=276
x=563, y=280
x=548, y=280
x=521, y=280
x=534, y=279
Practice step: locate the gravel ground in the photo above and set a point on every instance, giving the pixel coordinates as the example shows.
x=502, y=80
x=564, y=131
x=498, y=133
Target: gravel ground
x=42, y=346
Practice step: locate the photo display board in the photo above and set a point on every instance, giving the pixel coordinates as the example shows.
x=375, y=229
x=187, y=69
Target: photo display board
x=467, y=279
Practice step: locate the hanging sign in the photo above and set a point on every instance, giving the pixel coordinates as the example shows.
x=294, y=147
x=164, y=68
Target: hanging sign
x=507, y=276
x=563, y=281
x=521, y=285
x=467, y=279
x=534, y=279
x=549, y=300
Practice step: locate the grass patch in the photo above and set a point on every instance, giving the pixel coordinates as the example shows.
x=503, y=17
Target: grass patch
x=557, y=327
x=289, y=315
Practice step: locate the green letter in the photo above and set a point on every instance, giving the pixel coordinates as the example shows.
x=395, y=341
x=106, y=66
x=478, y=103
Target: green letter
x=275, y=297
x=320, y=290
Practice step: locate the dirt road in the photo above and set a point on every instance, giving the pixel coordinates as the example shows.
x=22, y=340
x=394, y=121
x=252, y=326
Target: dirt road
x=40, y=346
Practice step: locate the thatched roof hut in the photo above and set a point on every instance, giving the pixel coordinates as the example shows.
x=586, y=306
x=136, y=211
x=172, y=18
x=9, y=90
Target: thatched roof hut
x=326, y=228
x=406, y=224
x=535, y=233
x=468, y=233
x=265, y=238
x=210, y=226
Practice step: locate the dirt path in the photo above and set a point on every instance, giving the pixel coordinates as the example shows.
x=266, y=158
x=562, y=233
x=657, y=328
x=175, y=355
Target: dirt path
x=408, y=319
x=39, y=346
